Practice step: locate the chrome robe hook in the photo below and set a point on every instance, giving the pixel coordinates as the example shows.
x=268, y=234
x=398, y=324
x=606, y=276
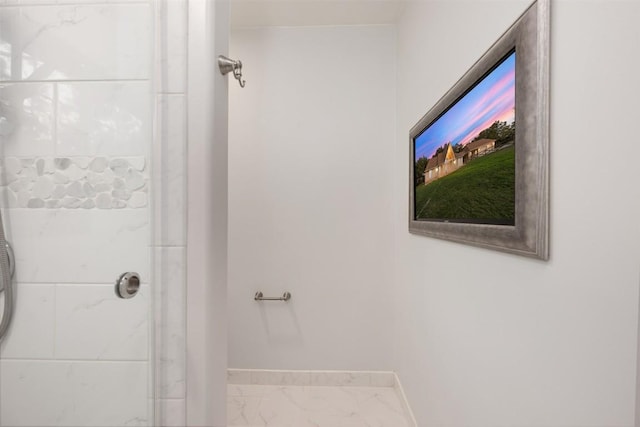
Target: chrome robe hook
x=228, y=65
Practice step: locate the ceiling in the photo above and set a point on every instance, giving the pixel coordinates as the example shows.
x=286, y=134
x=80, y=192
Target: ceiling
x=258, y=13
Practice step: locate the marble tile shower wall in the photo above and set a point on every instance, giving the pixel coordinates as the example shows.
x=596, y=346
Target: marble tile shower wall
x=170, y=177
x=81, y=178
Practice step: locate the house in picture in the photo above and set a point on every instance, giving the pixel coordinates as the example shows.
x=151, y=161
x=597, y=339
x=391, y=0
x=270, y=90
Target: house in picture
x=442, y=163
x=479, y=148
x=447, y=160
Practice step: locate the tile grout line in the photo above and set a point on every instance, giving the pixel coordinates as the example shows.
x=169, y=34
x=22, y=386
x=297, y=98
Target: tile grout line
x=58, y=361
x=73, y=81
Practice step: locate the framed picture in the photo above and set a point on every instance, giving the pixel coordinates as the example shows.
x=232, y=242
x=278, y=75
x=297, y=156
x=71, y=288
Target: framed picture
x=479, y=158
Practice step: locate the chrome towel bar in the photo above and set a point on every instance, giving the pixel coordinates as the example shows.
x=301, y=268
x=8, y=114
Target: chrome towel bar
x=259, y=297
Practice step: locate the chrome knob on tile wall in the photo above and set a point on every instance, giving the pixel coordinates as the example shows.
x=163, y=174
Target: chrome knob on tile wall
x=128, y=285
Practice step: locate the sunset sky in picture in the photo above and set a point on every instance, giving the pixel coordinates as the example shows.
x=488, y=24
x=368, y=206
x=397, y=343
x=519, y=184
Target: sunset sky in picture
x=492, y=99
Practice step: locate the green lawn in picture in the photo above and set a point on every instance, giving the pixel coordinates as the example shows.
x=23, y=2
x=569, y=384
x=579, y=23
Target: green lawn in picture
x=482, y=190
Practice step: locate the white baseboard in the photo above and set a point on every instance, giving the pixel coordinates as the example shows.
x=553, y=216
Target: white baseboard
x=403, y=400
x=313, y=378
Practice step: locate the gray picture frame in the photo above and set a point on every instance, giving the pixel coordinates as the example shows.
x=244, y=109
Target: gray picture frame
x=529, y=35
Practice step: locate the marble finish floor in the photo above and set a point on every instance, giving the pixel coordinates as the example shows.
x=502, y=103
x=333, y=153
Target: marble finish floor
x=313, y=406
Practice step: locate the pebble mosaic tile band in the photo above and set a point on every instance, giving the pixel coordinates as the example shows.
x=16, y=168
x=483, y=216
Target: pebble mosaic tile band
x=74, y=182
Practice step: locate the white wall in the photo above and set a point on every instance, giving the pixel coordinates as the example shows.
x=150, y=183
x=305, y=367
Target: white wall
x=207, y=215
x=310, y=197
x=484, y=338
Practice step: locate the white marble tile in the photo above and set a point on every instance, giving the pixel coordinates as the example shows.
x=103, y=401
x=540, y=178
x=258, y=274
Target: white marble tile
x=31, y=335
x=9, y=28
x=171, y=46
x=170, y=286
x=280, y=406
x=331, y=400
x=375, y=406
x=26, y=119
x=87, y=42
x=170, y=171
x=172, y=413
x=382, y=406
x=242, y=411
x=92, y=323
x=247, y=390
x=73, y=393
x=69, y=246
x=314, y=406
x=383, y=397
x=103, y=118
